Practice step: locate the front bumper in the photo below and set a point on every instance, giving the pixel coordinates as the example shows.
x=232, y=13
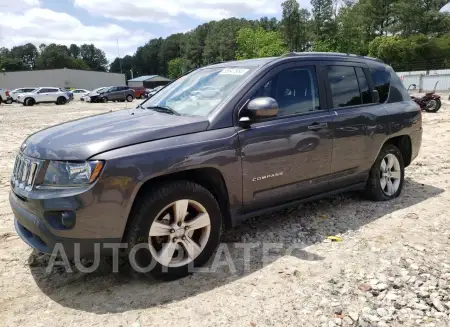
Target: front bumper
x=32, y=226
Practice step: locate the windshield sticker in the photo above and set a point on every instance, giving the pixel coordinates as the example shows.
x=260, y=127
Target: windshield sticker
x=234, y=71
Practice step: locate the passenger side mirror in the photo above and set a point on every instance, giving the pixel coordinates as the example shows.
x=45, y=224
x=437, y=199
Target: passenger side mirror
x=375, y=96
x=259, y=108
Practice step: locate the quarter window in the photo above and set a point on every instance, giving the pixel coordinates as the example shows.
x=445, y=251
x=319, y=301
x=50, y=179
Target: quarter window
x=294, y=89
x=344, y=86
x=382, y=80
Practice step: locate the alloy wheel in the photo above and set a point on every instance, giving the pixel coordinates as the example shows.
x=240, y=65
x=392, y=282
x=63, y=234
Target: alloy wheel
x=179, y=233
x=390, y=174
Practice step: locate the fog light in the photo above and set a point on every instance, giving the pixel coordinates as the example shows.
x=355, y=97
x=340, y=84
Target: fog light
x=68, y=219
x=61, y=219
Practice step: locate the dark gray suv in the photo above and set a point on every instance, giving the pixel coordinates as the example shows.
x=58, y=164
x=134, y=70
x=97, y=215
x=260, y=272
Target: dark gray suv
x=218, y=145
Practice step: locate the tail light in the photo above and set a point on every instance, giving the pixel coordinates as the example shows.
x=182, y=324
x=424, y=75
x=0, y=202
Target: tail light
x=7, y=93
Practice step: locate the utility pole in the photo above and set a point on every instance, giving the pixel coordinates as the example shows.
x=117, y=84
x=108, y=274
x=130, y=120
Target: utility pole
x=118, y=53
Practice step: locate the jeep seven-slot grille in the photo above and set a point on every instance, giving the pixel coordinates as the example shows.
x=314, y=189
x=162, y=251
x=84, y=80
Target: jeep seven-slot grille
x=24, y=172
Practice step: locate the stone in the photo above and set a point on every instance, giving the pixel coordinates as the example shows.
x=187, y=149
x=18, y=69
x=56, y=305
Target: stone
x=353, y=315
x=382, y=312
x=365, y=287
x=437, y=304
x=381, y=286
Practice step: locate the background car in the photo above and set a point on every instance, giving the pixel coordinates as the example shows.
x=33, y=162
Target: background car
x=115, y=93
x=14, y=93
x=4, y=96
x=151, y=92
x=78, y=93
x=139, y=91
x=45, y=95
x=96, y=91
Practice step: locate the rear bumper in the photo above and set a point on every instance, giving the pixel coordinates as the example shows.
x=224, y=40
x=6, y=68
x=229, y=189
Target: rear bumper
x=416, y=143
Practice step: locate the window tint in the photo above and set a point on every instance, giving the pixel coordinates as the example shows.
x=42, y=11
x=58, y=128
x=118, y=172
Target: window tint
x=294, y=89
x=344, y=86
x=381, y=78
x=363, y=86
x=44, y=91
x=52, y=90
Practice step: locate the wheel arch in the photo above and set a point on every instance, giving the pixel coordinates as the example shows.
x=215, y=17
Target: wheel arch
x=403, y=143
x=208, y=177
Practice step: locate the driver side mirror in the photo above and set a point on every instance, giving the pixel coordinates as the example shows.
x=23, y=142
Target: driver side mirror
x=259, y=108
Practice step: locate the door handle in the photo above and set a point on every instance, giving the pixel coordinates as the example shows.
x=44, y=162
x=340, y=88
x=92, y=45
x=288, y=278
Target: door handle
x=317, y=126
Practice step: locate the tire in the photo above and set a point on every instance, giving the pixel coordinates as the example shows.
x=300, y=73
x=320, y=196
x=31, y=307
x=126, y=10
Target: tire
x=157, y=204
x=8, y=101
x=374, y=187
x=104, y=100
x=436, y=107
x=61, y=101
x=29, y=102
x=129, y=98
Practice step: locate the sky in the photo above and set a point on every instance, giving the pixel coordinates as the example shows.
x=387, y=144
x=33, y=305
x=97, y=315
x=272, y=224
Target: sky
x=131, y=23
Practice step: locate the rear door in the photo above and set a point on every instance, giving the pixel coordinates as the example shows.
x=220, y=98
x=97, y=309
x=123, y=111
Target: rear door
x=289, y=156
x=358, y=123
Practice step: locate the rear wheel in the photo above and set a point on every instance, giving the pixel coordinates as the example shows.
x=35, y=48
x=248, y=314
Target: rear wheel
x=433, y=105
x=29, y=102
x=176, y=226
x=129, y=98
x=61, y=100
x=387, y=175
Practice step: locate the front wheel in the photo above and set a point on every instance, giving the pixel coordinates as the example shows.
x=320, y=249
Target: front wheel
x=129, y=98
x=104, y=100
x=387, y=175
x=433, y=105
x=175, y=227
x=29, y=102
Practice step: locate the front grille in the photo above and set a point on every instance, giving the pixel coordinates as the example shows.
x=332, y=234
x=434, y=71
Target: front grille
x=25, y=172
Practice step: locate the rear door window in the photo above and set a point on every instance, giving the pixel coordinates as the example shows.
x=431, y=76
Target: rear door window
x=344, y=86
x=382, y=80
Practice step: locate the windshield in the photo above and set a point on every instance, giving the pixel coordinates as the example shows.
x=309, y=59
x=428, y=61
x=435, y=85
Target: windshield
x=199, y=92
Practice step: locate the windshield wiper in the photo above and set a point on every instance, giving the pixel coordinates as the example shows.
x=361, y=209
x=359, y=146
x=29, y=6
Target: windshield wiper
x=163, y=109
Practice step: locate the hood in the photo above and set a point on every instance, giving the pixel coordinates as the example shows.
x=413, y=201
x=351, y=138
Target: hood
x=83, y=138
x=25, y=94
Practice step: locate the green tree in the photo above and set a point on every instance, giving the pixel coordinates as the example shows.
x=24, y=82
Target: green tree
x=177, y=67
x=94, y=57
x=58, y=56
x=74, y=51
x=258, y=43
x=27, y=53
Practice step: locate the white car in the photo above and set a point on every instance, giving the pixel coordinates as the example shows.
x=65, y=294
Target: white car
x=87, y=97
x=79, y=93
x=15, y=93
x=44, y=95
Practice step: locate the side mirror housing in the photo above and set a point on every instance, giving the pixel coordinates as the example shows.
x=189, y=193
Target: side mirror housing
x=259, y=108
x=376, y=96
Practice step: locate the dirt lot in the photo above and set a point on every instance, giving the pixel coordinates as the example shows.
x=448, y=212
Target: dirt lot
x=391, y=268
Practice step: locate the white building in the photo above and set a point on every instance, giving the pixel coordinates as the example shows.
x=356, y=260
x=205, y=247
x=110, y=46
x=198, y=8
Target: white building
x=65, y=78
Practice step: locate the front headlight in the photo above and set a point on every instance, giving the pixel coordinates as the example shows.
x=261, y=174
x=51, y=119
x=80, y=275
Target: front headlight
x=64, y=173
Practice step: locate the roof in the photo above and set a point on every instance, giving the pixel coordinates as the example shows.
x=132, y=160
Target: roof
x=147, y=78
x=257, y=62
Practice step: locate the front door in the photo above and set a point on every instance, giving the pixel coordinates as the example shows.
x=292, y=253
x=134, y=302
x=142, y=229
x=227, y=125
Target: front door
x=289, y=156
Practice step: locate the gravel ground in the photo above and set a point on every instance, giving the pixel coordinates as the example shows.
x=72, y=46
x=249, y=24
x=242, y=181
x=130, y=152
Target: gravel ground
x=390, y=268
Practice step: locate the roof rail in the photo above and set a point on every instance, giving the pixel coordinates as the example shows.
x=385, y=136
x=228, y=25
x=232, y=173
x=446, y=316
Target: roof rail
x=330, y=54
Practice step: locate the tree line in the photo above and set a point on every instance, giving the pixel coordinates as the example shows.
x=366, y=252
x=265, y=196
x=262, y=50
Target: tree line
x=409, y=35
x=53, y=56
